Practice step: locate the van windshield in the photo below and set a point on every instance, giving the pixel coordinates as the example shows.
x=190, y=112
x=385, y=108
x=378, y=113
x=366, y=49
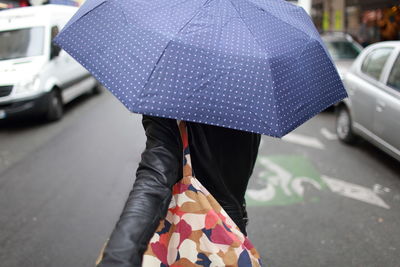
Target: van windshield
x=20, y=43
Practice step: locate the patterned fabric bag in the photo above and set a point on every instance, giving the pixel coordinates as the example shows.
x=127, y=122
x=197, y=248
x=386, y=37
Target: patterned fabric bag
x=197, y=231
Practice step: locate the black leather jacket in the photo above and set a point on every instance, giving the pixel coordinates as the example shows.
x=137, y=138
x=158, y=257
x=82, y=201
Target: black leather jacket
x=222, y=159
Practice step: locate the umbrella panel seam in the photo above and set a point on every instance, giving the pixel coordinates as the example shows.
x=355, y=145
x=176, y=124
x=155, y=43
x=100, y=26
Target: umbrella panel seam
x=166, y=46
x=261, y=46
x=291, y=25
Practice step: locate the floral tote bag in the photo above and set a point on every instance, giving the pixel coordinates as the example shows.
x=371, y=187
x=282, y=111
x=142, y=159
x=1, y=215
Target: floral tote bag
x=197, y=231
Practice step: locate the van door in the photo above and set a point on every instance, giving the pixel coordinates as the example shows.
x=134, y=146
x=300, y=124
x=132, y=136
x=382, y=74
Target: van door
x=69, y=72
x=61, y=66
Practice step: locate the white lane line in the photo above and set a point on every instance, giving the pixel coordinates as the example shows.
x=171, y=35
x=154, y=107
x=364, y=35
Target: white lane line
x=354, y=191
x=380, y=190
x=328, y=135
x=303, y=140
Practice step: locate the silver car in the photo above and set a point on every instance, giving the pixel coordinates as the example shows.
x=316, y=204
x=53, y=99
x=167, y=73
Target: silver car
x=372, y=110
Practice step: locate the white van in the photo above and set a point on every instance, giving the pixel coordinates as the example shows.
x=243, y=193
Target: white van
x=37, y=77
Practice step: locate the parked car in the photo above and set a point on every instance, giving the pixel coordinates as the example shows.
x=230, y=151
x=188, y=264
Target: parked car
x=343, y=49
x=37, y=77
x=372, y=110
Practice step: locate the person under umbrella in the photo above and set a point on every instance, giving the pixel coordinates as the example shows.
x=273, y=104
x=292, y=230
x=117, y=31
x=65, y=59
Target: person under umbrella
x=223, y=160
x=232, y=69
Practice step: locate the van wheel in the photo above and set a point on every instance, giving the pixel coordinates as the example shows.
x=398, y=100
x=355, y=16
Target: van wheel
x=344, y=129
x=55, y=107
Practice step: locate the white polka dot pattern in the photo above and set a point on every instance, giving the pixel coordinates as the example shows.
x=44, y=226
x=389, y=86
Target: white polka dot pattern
x=252, y=65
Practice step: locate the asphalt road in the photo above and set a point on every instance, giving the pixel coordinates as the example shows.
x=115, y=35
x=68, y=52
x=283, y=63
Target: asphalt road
x=312, y=200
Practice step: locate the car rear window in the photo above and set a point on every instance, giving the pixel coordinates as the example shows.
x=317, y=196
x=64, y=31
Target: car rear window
x=375, y=61
x=342, y=49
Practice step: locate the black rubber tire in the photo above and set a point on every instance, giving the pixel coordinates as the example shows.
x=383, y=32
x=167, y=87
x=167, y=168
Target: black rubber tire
x=344, y=128
x=97, y=89
x=55, y=107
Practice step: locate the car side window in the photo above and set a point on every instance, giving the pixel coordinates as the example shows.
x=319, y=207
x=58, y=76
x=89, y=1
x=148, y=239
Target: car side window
x=375, y=61
x=394, y=76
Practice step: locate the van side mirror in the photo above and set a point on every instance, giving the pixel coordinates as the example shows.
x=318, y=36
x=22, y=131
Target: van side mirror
x=55, y=51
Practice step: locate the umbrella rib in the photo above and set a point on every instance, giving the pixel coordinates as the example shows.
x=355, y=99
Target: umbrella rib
x=169, y=42
x=291, y=25
x=248, y=28
x=244, y=22
x=260, y=44
x=84, y=10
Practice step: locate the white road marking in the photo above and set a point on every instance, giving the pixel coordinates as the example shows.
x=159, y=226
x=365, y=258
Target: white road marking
x=298, y=186
x=281, y=178
x=303, y=140
x=379, y=189
x=265, y=194
x=328, y=135
x=354, y=191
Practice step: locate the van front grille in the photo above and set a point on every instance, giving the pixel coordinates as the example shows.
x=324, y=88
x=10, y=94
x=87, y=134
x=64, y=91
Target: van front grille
x=5, y=90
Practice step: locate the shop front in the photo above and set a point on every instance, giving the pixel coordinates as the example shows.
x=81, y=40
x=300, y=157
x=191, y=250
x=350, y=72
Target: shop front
x=6, y=4
x=317, y=14
x=368, y=21
x=328, y=15
x=372, y=21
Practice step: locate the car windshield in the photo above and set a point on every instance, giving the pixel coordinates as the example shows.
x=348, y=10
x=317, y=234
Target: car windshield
x=21, y=43
x=342, y=49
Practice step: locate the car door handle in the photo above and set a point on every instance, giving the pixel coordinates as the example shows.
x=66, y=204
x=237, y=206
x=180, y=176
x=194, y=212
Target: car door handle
x=380, y=106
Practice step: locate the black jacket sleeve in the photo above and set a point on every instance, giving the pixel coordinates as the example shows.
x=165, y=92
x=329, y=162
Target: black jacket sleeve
x=159, y=169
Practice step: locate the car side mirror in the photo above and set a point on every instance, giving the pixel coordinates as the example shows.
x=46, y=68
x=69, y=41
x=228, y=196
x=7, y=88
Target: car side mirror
x=55, y=51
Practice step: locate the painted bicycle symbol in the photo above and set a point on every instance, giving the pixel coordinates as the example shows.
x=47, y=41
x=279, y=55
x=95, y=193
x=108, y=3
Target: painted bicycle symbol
x=282, y=180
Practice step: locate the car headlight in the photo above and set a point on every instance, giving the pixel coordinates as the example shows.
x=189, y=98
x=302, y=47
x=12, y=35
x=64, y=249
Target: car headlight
x=28, y=86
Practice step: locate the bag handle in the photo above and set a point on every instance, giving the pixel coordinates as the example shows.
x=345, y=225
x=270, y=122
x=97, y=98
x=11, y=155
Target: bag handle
x=187, y=164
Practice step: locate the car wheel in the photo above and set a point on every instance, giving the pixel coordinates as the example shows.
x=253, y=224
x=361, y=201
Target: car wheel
x=55, y=109
x=344, y=126
x=97, y=89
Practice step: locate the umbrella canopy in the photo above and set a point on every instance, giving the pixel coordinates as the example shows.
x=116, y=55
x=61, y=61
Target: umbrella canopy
x=252, y=65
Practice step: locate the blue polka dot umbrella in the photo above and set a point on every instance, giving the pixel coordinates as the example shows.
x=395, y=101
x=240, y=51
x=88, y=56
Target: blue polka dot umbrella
x=252, y=65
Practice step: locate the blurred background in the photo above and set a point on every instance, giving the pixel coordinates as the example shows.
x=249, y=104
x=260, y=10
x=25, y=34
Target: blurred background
x=327, y=194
